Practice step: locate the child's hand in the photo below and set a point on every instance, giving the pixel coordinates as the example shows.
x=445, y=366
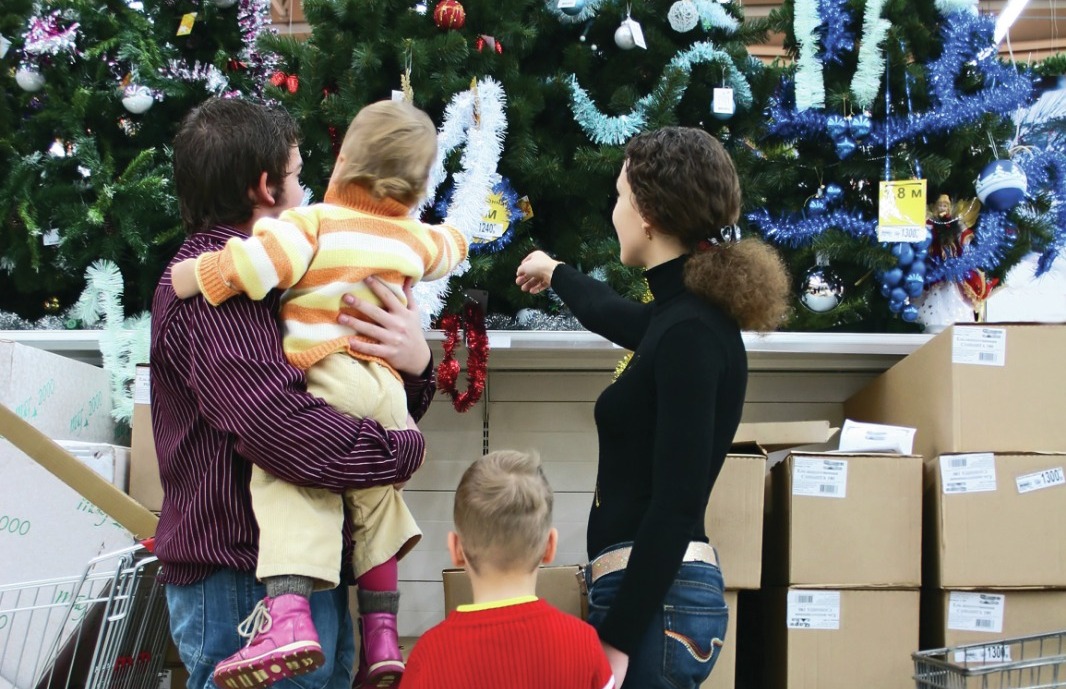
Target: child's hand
x=183, y=279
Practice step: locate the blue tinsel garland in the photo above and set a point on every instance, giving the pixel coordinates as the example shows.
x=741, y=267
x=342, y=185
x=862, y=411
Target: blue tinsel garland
x=836, y=39
x=1045, y=171
x=602, y=129
x=800, y=231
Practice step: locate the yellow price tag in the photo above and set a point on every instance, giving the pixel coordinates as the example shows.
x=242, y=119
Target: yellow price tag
x=495, y=222
x=901, y=211
x=185, y=28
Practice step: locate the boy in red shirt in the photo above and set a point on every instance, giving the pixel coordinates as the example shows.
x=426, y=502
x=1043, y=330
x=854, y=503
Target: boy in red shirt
x=507, y=637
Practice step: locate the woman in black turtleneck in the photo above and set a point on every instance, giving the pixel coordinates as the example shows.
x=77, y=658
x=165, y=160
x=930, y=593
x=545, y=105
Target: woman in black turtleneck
x=666, y=424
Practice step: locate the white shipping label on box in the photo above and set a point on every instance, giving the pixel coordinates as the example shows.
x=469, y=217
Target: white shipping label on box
x=1040, y=479
x=142, y=386
x=972, y=473
x=976, y=612
x=989, y=653
x=856, y=436
x=813, y=610
x=819, y=477
x=980, y=346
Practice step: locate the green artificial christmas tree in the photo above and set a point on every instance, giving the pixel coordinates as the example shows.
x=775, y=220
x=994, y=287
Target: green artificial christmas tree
x=93, y=93
x=893, y=175
x=552, y=179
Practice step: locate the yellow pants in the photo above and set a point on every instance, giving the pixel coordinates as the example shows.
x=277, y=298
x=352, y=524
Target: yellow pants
x=300, y=529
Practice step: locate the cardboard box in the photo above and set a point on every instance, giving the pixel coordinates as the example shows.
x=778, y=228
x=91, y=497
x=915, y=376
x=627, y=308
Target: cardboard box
x=841, y=639
x=110, y=462
x=943, y=388
x=844, y=521
x=285, y=11
x=556, y=584
x=734, y=518
x=145, y=486
x=951, y=618
x=724, y=674
x=995, y=520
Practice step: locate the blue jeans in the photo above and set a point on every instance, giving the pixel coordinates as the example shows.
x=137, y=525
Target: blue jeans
x=683, y=641
x=204, y=618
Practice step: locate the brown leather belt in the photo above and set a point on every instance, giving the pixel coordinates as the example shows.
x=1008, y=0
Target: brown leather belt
x=618, y=559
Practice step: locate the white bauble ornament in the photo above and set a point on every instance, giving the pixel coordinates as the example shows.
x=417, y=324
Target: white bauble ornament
x=683, y=16
x=223, y=4
x=138, y=99
x=623, y=37
x=29, y=79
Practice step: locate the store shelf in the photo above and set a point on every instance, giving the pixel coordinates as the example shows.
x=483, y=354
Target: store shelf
x=576, y=350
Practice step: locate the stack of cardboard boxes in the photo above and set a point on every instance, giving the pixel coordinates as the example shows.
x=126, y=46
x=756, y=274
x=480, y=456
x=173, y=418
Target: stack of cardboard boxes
x=988, y=406
x=842, y=571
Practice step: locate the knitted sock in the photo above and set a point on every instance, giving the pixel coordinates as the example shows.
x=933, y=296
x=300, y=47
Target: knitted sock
x=378, y=601
x=289, y=583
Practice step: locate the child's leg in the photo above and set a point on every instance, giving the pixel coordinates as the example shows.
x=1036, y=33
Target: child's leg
x=383, y=530
x=299, y=549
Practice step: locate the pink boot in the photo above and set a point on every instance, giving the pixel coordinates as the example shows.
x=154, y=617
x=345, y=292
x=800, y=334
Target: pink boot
x=282, y=642
x=380, y=659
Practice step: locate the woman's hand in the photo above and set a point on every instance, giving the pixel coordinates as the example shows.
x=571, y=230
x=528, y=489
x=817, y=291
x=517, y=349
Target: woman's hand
x=534, y=274
x=396, y=329
x=618, y=661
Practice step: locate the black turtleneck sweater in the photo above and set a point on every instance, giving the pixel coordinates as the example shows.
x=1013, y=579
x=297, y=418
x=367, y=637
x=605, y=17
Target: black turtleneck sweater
x=665, y=426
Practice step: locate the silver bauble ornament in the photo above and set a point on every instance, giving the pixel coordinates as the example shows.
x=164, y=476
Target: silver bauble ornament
x=29, y=79
x=138, y=99
x=573, y=10
x=223, y=4
x=623, y=37
x=821, y=289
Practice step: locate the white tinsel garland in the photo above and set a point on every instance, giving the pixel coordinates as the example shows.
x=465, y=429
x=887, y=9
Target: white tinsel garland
x=810, y=83
x=124, y=342
x=867, y=80
x=483, y=134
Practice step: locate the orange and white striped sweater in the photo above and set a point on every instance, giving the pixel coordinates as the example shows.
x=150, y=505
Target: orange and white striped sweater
x=320, y=253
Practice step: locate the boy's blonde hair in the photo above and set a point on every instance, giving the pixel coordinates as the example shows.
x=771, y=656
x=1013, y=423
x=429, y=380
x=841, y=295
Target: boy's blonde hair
x=503, y=512
x=389, y=148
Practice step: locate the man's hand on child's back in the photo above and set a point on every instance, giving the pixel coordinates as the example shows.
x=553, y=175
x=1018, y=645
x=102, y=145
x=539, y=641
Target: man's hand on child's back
x=183, y=279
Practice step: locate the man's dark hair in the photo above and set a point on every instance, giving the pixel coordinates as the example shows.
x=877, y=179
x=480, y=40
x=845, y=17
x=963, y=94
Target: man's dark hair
x=220, y=151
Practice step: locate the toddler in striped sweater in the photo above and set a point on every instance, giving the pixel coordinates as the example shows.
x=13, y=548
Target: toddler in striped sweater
x=363, y=230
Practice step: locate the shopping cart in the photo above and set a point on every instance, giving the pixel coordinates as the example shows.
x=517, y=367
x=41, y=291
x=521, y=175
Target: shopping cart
x=1025, y=662
x=104, y=629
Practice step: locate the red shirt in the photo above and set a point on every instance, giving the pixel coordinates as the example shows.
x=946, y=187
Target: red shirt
x=528, y=645
x=223, y=398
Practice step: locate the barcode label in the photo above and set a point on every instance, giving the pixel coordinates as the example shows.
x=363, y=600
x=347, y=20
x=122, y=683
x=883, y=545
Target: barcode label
x=820, y=477
x=976, y=612
x=970, y=473
x=992, y=653
x=980, y=346
x=142, y=385
x=901, y=233
x=1041, y=479
x=813, y=610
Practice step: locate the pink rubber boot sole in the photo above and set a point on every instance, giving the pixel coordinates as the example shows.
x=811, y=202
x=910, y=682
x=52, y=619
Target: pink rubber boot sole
x=262, y=671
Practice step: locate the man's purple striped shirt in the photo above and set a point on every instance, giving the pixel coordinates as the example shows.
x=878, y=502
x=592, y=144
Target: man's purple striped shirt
x=224, y=397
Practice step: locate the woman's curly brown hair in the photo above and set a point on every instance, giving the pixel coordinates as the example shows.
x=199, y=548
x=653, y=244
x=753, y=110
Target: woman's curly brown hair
x=685, y=185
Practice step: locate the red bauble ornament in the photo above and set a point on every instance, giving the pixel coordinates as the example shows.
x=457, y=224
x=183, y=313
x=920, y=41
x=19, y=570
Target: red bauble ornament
x=449, y=14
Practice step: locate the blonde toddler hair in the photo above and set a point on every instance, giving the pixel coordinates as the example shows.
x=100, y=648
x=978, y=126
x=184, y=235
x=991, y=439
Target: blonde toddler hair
x=503, y=512
x=389, y=148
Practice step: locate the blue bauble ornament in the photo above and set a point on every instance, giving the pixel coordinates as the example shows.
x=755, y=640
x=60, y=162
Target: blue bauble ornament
x=575, y=10
x=833, y=192
x=845, y=147
x=909, y=313
x=817, y=206
x=886, y=289
x=893, y=276
x=860, y=125
x=921, y=254
x=913, y=284
x=924, y=244
x=918, y=267
x=1001, y=185
x=904, y=253
x=836, y=126
x=898, y=295
x=895, y=306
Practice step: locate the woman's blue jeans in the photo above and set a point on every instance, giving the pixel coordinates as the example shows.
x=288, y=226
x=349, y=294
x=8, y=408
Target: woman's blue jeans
x=204, y=618
x=683, y=641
